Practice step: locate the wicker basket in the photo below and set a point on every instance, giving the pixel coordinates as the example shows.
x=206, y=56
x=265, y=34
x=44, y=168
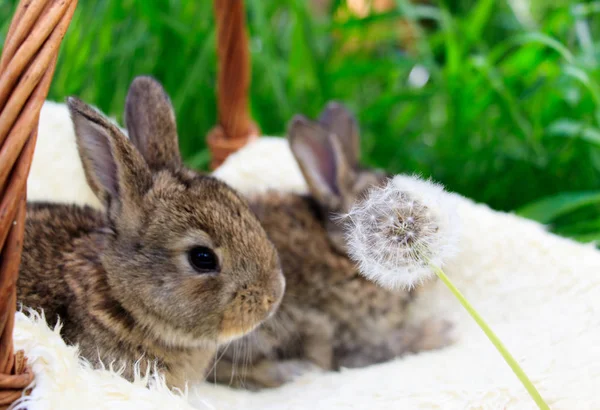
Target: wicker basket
x=26, y=69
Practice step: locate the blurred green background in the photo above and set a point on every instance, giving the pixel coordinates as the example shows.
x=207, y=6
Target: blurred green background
x=497, y=99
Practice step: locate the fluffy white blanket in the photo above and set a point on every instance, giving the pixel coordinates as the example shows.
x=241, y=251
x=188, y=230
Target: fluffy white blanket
x=539, y=292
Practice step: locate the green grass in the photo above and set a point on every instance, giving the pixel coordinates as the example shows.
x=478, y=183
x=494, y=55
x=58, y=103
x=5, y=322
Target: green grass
x=510, y=114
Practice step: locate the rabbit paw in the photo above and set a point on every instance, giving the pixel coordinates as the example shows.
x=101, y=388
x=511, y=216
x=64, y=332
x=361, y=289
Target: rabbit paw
x=433, y=334
x=275, y=374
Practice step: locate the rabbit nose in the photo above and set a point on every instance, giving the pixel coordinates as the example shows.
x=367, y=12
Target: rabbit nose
x=268, y=302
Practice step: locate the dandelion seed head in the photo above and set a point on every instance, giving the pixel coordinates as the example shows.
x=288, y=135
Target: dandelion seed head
x=398, y=231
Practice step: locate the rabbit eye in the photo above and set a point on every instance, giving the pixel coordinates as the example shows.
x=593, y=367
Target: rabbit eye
x=203, y=259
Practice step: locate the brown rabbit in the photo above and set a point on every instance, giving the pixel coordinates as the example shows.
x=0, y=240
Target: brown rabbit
x=330, y=315
x=176, y=265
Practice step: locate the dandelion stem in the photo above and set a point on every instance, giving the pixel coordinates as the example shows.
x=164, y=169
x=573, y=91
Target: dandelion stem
x=535, y=395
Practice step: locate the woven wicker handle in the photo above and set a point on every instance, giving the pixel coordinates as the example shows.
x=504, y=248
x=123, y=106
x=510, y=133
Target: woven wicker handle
x=236, y=127
x=26, y=69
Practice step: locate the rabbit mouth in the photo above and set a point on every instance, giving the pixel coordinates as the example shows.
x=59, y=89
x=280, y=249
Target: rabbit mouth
x=234, y=334
x=236, y=325
x=247, y=312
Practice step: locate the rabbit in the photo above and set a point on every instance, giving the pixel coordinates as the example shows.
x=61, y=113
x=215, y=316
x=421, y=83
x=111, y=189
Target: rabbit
x=331, y=317
x=175, y=265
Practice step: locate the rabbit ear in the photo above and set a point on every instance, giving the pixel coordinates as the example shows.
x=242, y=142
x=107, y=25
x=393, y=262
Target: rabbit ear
x=114, y=169
x=337, y=119
x=151, y=123
x=321, y=160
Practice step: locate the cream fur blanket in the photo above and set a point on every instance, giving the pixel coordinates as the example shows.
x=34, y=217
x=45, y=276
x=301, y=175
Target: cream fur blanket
x=540, y=293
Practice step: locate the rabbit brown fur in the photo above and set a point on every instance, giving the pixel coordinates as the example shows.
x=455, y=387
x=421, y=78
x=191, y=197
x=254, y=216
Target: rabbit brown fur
x=176, y=265
x=331, y=316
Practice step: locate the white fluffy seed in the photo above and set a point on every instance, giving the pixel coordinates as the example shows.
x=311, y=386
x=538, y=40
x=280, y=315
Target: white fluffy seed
x=397, y=232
